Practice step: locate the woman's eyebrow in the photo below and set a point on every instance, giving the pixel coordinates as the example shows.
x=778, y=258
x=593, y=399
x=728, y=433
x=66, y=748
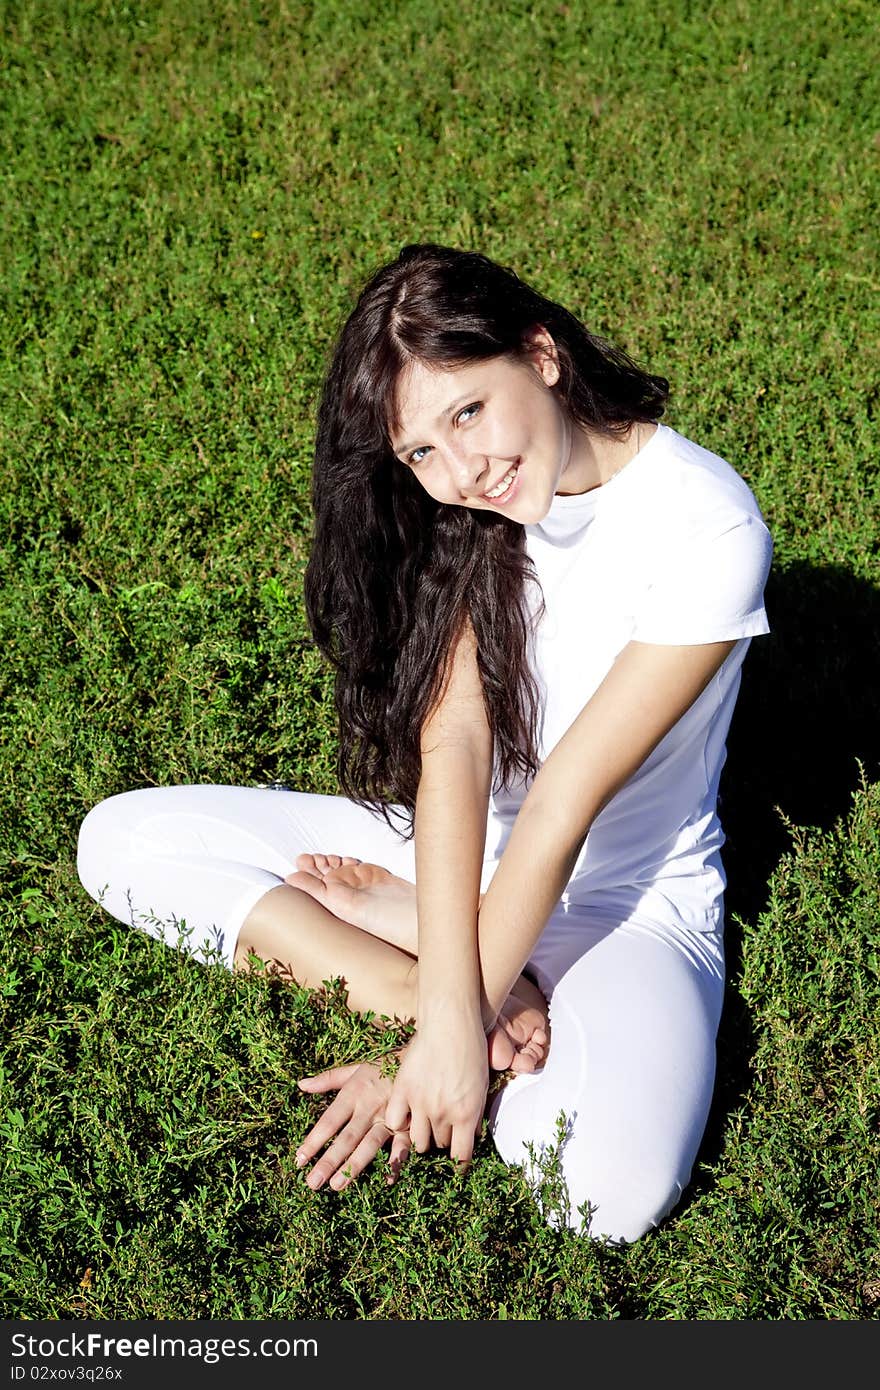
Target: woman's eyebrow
x=450, y=409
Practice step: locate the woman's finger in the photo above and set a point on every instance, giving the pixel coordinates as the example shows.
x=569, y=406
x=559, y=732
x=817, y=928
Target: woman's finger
x=401, y=1147
x=334, y=1119
x=376, y=1137
x=442, y=1133
x=461, y=1147
x=339, y=1154
x=331, y=1080
x=397, y=1110
x=419, y=1132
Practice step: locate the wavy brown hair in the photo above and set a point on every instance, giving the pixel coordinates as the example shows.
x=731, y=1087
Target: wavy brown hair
x=394, y=575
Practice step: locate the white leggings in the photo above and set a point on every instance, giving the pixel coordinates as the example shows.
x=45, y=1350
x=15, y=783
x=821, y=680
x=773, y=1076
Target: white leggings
x=634, y=1001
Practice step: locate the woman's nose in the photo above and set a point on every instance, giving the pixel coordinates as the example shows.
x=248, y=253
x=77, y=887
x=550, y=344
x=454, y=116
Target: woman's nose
x=469, y=470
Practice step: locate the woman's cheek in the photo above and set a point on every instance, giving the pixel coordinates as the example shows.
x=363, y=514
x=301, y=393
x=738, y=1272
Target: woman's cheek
x=439, y=487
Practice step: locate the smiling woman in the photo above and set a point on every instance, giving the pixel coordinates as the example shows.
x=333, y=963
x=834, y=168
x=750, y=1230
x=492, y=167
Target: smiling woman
x=537, y=599
x=501, y=414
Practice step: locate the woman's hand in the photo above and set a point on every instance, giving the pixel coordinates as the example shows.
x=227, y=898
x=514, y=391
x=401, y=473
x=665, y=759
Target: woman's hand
x=355, y=1122
x=438, y=1096
x=439, y=1093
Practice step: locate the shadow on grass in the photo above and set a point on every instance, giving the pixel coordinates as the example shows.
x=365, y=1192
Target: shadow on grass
x=806, y=723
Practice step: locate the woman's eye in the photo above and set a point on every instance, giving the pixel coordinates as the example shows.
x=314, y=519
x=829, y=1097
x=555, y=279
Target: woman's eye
x=466, y=413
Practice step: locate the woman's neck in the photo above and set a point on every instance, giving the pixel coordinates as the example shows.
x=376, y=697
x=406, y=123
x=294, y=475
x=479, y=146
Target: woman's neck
x=597, y=458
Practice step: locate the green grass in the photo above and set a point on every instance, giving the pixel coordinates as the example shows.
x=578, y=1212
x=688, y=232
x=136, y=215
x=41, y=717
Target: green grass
x=191, y=194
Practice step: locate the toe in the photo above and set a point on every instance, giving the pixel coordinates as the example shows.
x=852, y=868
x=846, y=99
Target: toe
x=522, y=1063
x=307, y=880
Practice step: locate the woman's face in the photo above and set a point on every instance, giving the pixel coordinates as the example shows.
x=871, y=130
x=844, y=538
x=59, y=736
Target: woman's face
x=492, y=436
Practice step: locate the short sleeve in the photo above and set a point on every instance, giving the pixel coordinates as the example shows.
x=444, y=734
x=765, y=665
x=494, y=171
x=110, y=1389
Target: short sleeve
x=710, y=588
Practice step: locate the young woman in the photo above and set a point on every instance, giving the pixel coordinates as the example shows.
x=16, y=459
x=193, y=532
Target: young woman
x=537, y=600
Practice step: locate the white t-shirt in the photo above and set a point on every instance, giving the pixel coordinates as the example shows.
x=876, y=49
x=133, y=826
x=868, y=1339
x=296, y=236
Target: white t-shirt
x=672, y=549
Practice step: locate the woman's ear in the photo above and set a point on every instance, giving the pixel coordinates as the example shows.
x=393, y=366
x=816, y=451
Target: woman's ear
x=541, y=350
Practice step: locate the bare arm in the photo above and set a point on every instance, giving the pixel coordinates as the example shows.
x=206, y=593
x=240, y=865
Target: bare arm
x=450, y=838
x=439, y=1094
x=645, y=693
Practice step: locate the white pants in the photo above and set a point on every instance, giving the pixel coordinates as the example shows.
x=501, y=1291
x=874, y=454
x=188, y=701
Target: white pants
x=621, y=1103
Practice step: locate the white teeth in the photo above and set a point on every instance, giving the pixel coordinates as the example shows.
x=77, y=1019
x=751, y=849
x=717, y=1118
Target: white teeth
x=504, y=484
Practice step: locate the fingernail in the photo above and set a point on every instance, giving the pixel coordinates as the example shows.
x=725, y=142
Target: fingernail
x=301, y=1159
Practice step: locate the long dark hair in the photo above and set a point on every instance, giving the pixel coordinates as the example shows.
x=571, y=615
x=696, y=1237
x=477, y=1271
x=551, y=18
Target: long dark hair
x=393, y=575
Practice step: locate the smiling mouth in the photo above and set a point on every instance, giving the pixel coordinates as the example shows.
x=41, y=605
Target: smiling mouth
x=503, y=487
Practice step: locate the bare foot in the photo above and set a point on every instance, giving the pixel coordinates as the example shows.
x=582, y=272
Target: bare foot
x=366, y=895
x=520, y=1039
x=377, y=901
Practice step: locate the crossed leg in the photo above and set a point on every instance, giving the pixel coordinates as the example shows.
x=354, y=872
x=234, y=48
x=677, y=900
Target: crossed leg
x=381, y=955
x=206, y=868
